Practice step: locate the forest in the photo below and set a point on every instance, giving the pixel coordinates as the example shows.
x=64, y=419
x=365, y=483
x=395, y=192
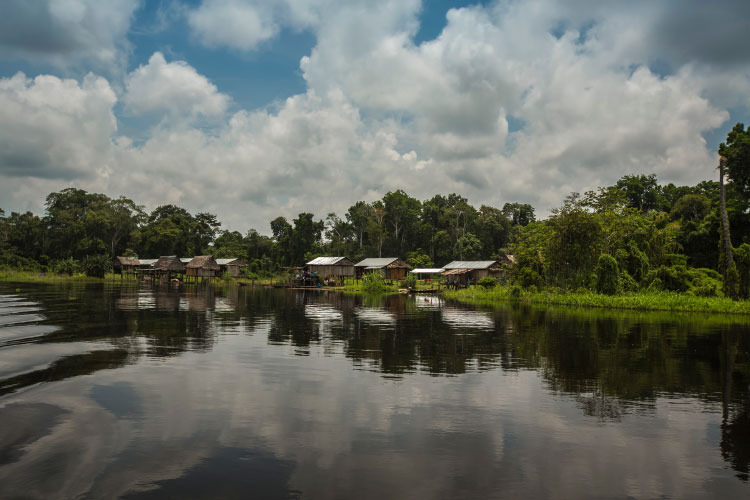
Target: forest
x=647, y=235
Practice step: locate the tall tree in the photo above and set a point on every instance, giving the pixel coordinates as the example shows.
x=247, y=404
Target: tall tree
x=402, y=215
x=736, y=151
x=358, y=216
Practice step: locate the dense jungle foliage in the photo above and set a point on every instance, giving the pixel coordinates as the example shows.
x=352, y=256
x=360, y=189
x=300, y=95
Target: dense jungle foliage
x=655, y=236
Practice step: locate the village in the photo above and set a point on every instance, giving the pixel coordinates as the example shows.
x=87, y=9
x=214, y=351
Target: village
x=317, y=273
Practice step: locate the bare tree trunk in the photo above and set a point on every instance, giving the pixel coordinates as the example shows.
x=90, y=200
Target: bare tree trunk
x=724, y=218
x=730, y=272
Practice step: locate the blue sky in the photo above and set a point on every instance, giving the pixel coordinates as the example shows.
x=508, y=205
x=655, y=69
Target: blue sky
x=252, y=109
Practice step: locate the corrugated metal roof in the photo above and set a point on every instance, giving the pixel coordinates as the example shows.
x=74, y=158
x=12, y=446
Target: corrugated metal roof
x=325, y=261
x=147, y=262
x=224, y=262
x=376, y=262
x=470, y=264
x=185, y=260
x=427, y=271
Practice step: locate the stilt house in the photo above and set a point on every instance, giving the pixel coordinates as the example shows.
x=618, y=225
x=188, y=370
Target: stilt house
x=331, y=267
x=391, y=268
x=202, y=266
x=231, y=265
x=168, y=266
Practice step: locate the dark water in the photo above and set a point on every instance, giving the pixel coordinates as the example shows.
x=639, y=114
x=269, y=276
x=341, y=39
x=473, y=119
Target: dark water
x=110, y=391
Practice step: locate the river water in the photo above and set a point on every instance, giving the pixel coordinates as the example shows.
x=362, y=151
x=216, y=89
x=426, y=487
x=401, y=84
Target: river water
x=121, y=391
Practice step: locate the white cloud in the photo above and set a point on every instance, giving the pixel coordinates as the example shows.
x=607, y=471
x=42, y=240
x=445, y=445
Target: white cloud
x=175, y=88
x=53, y=128
x=232, y=23
x=384, y=113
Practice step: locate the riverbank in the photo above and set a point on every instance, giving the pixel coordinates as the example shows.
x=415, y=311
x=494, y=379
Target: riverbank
x=644, y=301
x=39, y=277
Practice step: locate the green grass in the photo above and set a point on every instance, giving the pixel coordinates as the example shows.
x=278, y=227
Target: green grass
x=646, y=301
x=40, y=277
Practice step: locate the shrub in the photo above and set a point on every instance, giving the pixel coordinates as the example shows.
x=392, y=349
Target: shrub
x=410, y=281
x=487, y=282
x=607, y=275
x=656, y=285
x=527, y=277
x=627, y=283
x=373, y=282
x=68, y=266
x=742, y=261
x=96, y=265
x=515, y=292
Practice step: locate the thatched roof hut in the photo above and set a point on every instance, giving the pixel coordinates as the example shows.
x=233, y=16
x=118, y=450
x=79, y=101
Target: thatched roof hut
x=125, y=265
x=169, y=264
x=202, y=266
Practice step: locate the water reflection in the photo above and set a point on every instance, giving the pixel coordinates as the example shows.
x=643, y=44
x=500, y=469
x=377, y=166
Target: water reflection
x=211, y=391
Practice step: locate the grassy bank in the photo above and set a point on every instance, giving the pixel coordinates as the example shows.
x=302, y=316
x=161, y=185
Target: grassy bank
x=39, y=277
x=646, y=301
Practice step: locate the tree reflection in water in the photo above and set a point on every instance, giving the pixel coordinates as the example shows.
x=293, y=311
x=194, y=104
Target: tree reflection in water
x=611, y=364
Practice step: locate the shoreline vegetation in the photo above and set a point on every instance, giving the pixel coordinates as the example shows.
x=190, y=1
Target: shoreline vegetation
x=635, y=301
x=476, y=295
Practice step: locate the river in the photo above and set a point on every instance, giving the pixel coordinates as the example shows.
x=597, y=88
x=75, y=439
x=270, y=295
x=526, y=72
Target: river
x=127, y=391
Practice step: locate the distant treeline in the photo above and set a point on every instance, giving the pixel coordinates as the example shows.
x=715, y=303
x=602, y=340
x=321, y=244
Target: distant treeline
x=658, y=234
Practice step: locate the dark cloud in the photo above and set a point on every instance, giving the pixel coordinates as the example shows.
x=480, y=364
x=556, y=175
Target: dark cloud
x=713, y=33
x=30, y=27
x=66, y=33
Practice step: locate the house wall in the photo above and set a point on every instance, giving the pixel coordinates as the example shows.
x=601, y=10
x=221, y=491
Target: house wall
x=395, y=273
x=332, y=271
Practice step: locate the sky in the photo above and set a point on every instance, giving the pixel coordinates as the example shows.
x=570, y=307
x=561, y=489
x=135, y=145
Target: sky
x=252, y=109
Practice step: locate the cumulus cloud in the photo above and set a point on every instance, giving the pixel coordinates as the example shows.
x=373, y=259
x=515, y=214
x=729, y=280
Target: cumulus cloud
x=175, y=88
x=232, y=23
x=66, y=32
x=55, y=129
x=382, y=112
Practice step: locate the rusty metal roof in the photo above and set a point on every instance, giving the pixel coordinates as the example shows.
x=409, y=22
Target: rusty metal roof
x=457, y=271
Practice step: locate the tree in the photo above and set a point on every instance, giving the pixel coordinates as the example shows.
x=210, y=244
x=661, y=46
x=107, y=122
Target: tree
x=736, y=151
x=376, y=231
x=641, y=191
x=204, y=228
x=401, y=214
x=519, y=214
x=418, y=259
x=730, y=271
x=607, y=275
x=282, y=235
x=305, y=235
x=468, y=247
x=492, y=228
x=358, y=216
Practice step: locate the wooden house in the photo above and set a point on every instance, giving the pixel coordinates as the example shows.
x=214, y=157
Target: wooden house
x=468, y=272
x=327, y=268
x=231, y=265
x=201, y=266
x=391, y=268
x=166, y=266
x=125, y=265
